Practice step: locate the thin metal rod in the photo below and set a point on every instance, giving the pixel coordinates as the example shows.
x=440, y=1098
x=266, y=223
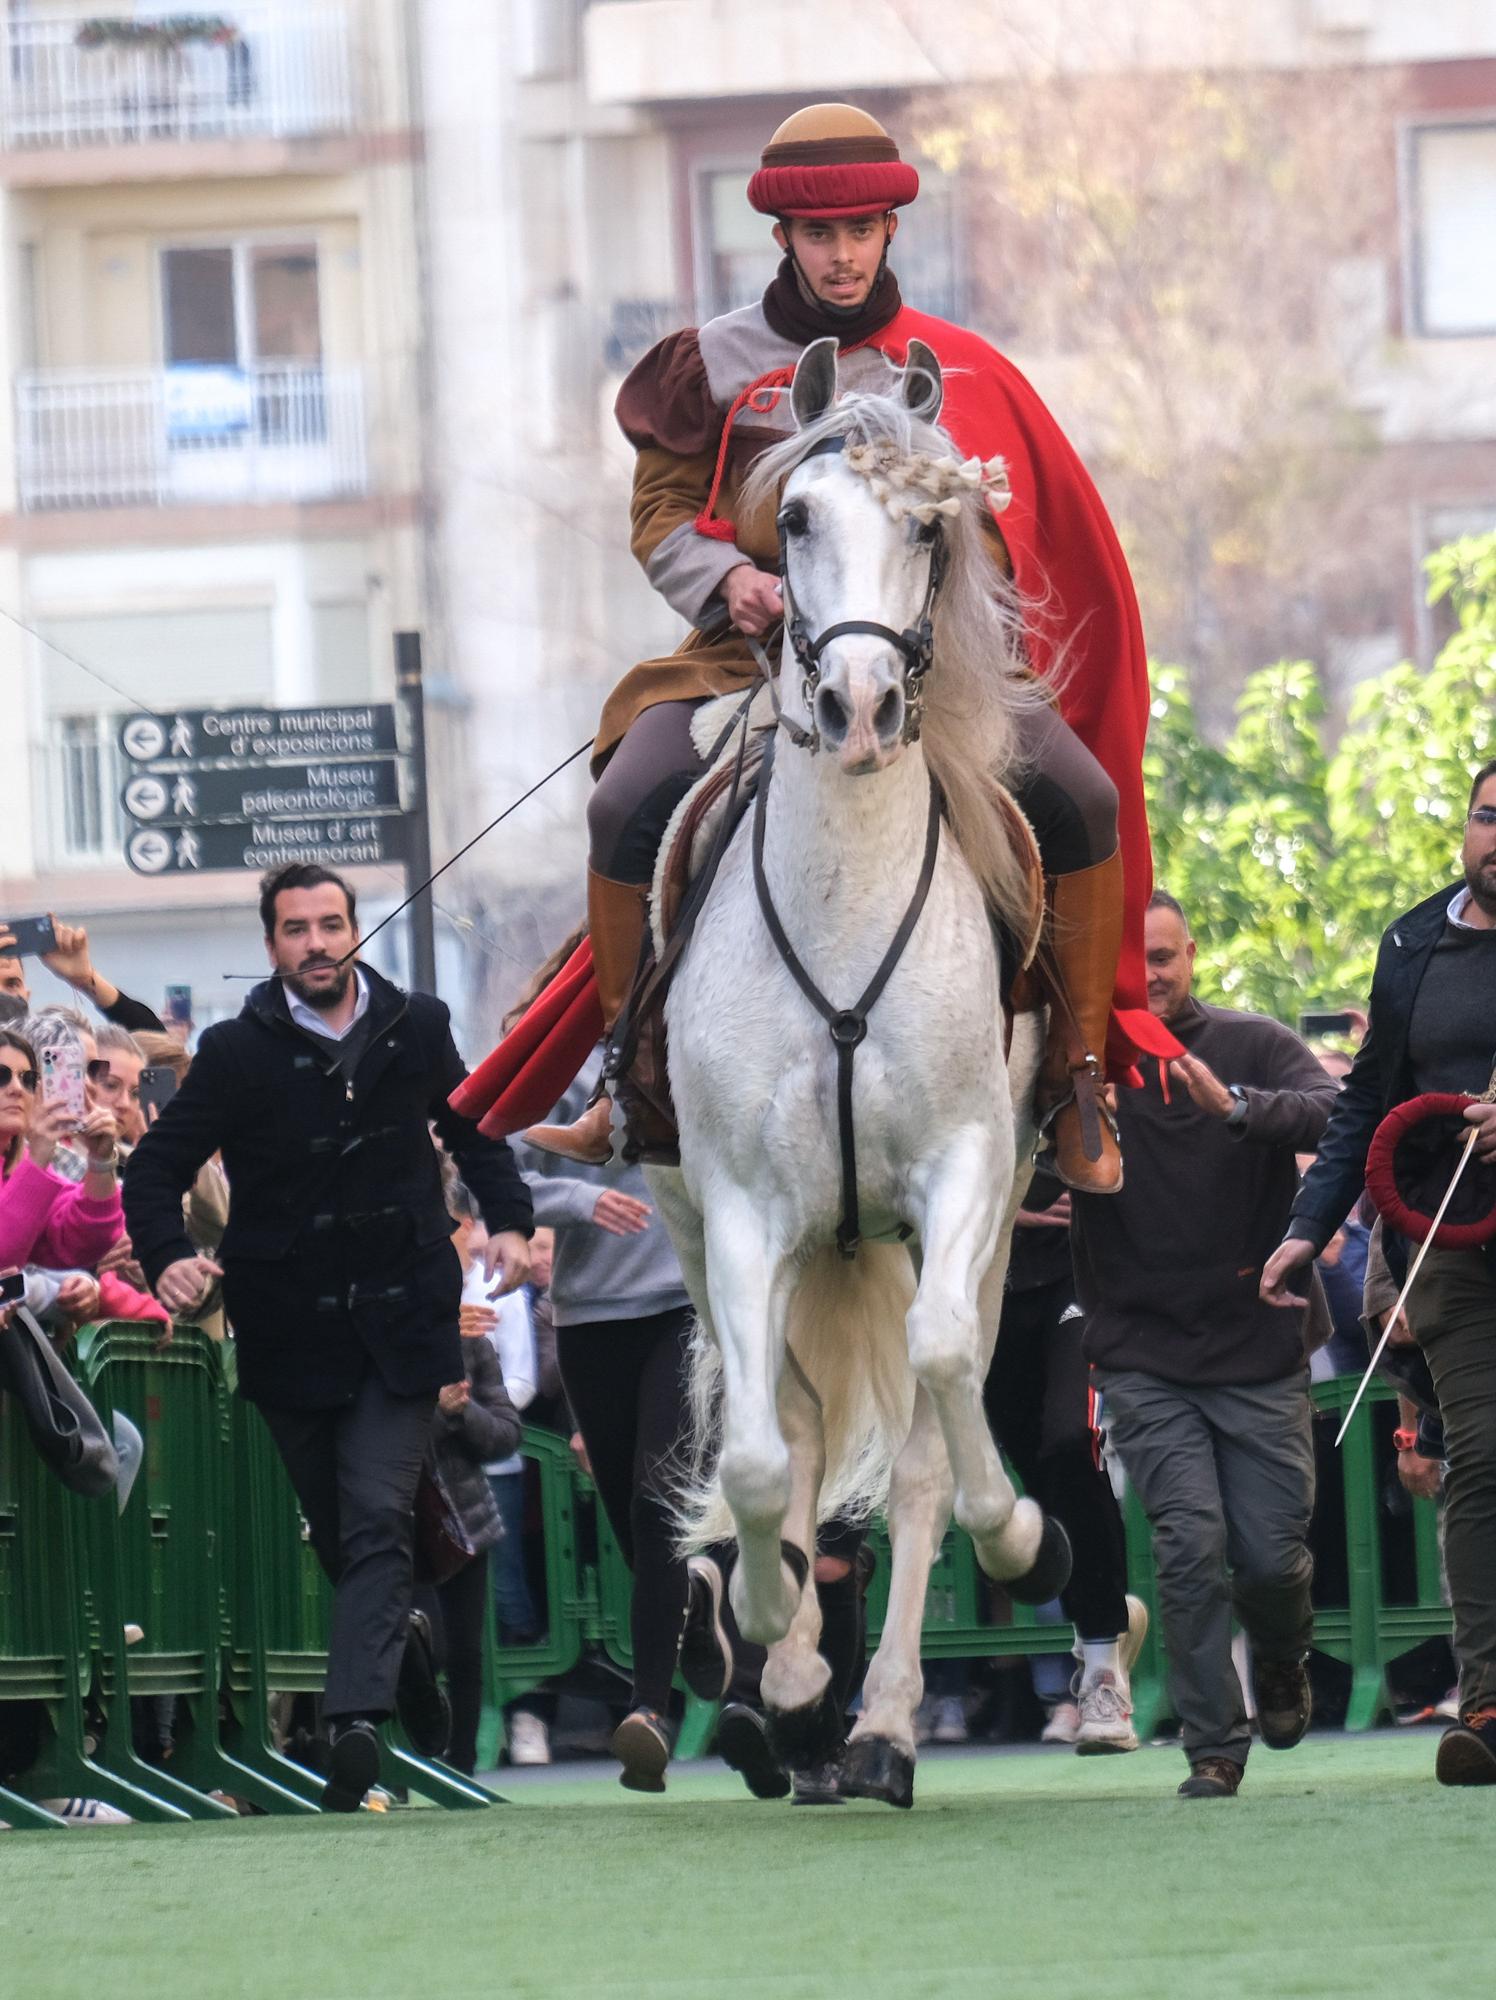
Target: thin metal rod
x=1402, y=1298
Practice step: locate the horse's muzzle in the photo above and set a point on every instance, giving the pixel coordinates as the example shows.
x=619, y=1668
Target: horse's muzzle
x=862, y=721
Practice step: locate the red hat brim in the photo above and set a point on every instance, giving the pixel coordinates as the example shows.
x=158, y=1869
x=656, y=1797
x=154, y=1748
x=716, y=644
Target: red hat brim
x=826, y=193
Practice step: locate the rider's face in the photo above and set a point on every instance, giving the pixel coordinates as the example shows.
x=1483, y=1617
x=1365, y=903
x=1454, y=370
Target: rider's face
x=838, y=260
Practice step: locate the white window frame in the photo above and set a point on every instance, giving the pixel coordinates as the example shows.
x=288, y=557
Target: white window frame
x=110, y=850
x=1413, y=317
x=702, y=171
x=241, y=244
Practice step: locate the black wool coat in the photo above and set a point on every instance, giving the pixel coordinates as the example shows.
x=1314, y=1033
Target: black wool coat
x=338, y=1251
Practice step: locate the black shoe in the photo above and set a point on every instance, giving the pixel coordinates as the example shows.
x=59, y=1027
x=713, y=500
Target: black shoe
x=1467, y=1752
x=705, y=1652
x=1212, y=1778
x=353, y=1765
x=743, y=1745
x=1280, y=1690
x=641, y=1743
x=420, y=1701
x=820, y=1785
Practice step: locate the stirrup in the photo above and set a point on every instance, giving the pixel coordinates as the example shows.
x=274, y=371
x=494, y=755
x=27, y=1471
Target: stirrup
x=567, y=1140
x=1085, y=1093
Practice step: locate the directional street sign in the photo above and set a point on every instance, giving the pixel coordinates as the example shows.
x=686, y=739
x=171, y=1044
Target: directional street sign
x=266, y=843
x=275, y=791
x=259, y=735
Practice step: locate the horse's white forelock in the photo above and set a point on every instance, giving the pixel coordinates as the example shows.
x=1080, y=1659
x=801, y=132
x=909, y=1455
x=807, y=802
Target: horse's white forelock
x=980, y=677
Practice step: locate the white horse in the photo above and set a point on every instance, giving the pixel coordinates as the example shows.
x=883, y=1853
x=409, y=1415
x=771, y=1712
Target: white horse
x=839, y=1386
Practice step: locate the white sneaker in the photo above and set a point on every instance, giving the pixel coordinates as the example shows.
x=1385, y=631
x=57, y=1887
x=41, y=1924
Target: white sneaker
x=1063, y=1725
x=1105, y=1698
x=529, y=1739
x=950, y=1721
x=86, y=1812
x=1105, y=1706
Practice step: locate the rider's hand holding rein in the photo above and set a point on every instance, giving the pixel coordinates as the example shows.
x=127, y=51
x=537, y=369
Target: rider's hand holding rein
x=754, y=601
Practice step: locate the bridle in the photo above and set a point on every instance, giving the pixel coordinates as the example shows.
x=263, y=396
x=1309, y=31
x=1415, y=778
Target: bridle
x=915, y=644
x=848, y=1025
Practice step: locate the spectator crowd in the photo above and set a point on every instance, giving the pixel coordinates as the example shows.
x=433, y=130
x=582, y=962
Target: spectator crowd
x=293, y=1184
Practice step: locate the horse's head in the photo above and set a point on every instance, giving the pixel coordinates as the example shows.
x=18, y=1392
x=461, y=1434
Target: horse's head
x=863, y=532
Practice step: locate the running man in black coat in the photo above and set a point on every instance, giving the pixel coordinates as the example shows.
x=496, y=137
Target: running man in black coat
x=339, y=1274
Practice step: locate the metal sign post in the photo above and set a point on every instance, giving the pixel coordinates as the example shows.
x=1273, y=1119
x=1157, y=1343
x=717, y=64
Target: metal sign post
x=417, y=820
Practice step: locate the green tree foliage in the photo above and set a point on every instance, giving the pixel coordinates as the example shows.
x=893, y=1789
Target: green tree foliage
x=1290, y=863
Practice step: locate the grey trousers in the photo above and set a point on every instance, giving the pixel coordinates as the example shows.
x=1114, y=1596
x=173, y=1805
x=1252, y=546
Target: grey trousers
x=355, y=1471
x=1226, y=1478
x=1454, y=1307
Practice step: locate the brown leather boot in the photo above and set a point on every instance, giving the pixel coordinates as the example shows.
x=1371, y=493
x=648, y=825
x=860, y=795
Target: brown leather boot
x=615, y=923
x=1085, y=937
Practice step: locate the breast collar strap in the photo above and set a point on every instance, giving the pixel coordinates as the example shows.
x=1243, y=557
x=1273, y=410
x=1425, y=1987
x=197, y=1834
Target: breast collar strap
x=848, y=1025
x=915, y=644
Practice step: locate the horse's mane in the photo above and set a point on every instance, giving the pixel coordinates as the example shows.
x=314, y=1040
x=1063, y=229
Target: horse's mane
x=980, y=677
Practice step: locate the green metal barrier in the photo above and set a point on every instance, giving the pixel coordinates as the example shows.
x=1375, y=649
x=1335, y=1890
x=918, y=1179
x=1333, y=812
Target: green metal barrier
x=1369, y=1632
x=45, y=1656
x=162, y=1564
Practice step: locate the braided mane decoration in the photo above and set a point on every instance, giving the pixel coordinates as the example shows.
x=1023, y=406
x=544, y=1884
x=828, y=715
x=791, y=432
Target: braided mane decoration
x=926, y=486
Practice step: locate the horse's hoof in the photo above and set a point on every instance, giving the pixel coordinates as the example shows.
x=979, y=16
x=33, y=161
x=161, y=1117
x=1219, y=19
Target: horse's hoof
x=1050, y=1571
x=805, y=1737
x=874, y=1768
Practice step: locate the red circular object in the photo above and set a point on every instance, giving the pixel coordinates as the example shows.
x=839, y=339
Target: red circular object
x=824, y=193
x=1413, y=1153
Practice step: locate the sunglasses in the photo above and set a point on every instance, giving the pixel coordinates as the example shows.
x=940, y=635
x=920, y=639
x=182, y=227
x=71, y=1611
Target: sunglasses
x=26, y=1078
x=98, y=1069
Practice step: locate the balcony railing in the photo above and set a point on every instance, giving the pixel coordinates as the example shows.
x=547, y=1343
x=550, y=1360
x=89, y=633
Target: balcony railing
x=189, y=436
x=272, y=74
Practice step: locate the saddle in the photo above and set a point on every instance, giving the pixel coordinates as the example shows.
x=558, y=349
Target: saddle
x=695, y=840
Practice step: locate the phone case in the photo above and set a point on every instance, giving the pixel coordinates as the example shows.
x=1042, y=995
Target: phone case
x=63, y=1080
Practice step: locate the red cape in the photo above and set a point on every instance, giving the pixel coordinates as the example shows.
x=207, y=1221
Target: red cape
x=1065, y=551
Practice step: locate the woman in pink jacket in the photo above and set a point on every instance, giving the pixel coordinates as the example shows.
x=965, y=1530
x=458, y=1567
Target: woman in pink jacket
x=45, y=1219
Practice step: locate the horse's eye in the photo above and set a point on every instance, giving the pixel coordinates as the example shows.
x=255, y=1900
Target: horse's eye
x=927, y=534
x=794, y=519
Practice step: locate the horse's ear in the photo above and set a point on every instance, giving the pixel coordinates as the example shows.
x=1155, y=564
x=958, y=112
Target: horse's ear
x=924, y=385
x=814, y=388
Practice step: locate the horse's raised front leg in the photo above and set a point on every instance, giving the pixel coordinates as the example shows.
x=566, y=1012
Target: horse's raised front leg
x=879, y=1760
x=949, y=1351
x=749, y=1280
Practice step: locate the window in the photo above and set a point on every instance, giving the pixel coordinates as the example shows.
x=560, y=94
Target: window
x=249, y=311
x=234, y=305
x=736, y=255
x=86, y=819
x=1452, y=187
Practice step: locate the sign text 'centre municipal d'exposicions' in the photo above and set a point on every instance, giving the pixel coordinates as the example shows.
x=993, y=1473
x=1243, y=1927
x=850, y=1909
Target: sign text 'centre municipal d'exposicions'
x=258, y=735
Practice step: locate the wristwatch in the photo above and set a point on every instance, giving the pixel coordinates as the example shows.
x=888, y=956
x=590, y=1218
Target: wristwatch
x=1237, y=1115
x=1404, y=1440
x=108, y=1165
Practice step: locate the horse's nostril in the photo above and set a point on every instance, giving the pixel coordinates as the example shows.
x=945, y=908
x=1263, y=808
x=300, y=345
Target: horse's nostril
x=888, y=716
x=831, y=715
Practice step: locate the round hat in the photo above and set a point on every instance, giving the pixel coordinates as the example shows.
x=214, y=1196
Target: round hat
x=1408, y=1169
x=828, y=161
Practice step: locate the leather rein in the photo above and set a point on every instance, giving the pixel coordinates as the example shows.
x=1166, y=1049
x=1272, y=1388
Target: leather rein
x=848, y=1025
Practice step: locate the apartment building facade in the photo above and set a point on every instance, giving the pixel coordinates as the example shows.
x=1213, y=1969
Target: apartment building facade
x=210, y=447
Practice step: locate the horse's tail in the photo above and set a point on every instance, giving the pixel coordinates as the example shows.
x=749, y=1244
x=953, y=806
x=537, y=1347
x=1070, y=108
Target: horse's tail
x=847, y=1333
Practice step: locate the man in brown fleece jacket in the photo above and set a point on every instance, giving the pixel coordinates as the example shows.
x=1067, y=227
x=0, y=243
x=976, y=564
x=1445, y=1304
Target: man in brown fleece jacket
x=1204, y=1387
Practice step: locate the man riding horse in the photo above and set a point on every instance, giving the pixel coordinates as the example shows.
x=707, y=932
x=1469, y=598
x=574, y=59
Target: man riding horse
x=698, y=409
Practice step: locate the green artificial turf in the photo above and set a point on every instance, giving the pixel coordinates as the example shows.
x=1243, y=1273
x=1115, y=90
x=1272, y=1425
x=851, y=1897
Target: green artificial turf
x=1340, y=1868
